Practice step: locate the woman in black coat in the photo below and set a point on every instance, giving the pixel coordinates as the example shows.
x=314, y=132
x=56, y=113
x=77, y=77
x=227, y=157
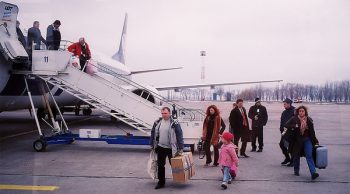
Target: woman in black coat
x=303, y=140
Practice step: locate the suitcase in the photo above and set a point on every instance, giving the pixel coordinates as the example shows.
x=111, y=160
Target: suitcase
x=321, y=160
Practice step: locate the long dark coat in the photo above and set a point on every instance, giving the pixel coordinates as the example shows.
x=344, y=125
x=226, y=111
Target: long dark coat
x=262, y=115
x=296, y=146
x=236, y=122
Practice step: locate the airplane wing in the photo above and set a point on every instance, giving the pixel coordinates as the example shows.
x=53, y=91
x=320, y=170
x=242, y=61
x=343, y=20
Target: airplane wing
x=153, y=70
x=213, y=85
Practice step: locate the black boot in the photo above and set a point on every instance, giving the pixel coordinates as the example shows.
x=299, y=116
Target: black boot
x=286, y=161
x=314, y=176
x=159, y=186
x=291, y=164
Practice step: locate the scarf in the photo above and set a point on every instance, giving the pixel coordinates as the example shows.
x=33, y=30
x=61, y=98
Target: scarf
x=303, y=124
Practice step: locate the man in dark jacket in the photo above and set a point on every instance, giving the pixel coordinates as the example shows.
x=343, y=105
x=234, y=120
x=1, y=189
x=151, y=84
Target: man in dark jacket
x=167, y=140
x=286, y=115
x=20, y=35
x=34, y=35
x=259, y=117
x=53, y=36
x=240, y=126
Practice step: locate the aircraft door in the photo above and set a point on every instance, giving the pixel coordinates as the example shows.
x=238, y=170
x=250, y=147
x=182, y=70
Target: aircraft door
x=10, y=46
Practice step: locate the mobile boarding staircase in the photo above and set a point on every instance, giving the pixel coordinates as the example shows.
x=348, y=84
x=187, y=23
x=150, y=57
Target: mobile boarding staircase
x=107, y=90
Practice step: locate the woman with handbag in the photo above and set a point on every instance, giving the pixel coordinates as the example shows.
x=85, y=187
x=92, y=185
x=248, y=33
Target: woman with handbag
x=303, y=140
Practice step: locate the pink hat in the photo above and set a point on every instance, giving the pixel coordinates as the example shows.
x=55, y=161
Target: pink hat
x=227, y=136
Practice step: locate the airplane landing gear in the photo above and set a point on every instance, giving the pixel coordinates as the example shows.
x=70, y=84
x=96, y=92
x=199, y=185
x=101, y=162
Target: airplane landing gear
x=87, y=111
x=41, y=113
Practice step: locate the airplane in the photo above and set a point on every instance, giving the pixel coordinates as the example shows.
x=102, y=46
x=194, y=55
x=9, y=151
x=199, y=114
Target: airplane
x=13, y=92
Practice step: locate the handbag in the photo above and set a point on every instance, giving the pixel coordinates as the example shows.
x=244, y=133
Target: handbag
x=152, y=165
x=91, y=67
x=233, y=170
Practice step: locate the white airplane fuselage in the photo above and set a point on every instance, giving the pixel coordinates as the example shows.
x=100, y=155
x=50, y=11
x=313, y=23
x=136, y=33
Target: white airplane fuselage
x=14, y=96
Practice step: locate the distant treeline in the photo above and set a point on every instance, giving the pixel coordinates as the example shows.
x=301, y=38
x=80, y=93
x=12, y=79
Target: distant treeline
x=332, y=91
x=337, y=91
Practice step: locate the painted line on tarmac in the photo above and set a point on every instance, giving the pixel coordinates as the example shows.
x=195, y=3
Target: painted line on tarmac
x=28, y=187
x=192, y=179
x=72, y=122
x=16, y=135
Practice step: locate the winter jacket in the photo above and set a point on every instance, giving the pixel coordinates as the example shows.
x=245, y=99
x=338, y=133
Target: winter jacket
x=262, y=115
x=175, y=136
x=34, y=35
x=211, y=129
x=296, y=145
x=236, y=122
x=286, y=115
x=228, y=156
x=53, y=38
x=76, y=49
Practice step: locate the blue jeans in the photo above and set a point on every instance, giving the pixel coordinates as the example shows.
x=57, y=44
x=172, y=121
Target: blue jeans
x=227, y=175
x=308, y=154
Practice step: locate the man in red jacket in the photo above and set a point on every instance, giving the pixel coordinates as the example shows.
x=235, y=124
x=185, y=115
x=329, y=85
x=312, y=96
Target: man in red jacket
x=81, y=49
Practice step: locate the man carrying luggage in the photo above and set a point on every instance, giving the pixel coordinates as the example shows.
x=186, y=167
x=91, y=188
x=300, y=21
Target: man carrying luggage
x=167, y=140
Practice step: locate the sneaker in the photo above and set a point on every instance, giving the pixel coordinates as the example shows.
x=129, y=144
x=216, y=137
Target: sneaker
x=296, y=174
x=229, y=182
x=253, y=150
x=286, y=161
x=259, y=150
x=215, y=164
x=314, y=176
x=223, y=185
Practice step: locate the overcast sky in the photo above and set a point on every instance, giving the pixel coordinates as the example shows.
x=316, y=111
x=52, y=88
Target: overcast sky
x=302, y=41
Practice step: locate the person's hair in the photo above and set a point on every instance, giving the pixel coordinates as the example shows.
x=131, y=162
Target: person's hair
x=234, y=104
x=301, y=107
x=239, y=100
x=35, y=22
x=166, y=108
x=217, y=112
x=57, y=22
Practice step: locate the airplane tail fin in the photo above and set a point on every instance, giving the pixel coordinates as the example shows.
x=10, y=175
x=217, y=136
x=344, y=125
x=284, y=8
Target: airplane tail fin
x=120, y=55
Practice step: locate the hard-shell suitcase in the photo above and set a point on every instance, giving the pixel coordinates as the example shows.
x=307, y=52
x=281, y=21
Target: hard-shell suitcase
x=321, y=161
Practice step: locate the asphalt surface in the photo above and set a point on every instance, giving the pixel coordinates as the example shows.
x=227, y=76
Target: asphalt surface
x=97, y=167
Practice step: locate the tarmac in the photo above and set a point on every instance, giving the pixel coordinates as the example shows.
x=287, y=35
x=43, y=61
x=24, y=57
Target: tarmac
x=97, y=167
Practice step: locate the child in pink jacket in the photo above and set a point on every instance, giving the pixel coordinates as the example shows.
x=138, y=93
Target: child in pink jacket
x=228, y=159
